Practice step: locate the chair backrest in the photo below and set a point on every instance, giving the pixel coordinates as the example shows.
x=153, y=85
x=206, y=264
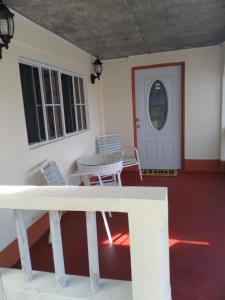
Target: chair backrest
x=51, y=173
x=108, y=143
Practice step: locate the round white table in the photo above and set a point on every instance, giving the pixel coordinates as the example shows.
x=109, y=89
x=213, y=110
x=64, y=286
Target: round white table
x=102, y=164
x=106, y=166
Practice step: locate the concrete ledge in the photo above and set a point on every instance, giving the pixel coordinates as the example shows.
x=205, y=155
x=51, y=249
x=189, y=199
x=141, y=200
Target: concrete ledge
x=147, y=209
x=43, y=286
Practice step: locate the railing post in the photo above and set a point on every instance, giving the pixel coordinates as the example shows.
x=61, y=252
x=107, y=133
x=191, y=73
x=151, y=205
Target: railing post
x=150, y=253
x=23, y=243
x=56, y=239
x=92, y=241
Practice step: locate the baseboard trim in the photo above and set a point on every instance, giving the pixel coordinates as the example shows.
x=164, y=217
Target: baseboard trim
x=202, y=165
x=10, y=255
x=222, y=166
x=196, y=165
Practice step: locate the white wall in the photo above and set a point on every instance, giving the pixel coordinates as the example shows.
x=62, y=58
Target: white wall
x=222, y=149
x=202, y=97
x=18, y=164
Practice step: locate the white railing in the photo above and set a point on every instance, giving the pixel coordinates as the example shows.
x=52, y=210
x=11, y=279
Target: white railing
x=147, y=210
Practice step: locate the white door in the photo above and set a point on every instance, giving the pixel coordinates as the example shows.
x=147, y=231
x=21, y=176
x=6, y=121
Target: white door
x=158, y=117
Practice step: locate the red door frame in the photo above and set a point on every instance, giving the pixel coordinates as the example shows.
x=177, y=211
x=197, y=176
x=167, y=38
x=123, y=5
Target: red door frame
x=182, y=65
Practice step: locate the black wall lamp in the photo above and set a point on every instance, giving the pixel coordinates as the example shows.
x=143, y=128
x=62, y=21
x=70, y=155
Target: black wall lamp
x=97, y=65
x=6, y=26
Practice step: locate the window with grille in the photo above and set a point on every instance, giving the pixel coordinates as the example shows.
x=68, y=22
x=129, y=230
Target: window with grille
x=55, y=103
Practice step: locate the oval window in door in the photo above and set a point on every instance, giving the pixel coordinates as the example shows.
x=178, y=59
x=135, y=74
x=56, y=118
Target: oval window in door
x=158, y=105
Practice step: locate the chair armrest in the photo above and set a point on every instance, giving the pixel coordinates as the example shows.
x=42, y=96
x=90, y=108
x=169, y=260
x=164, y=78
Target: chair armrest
x=135, y=153
x=130, y=150
x=82, y=174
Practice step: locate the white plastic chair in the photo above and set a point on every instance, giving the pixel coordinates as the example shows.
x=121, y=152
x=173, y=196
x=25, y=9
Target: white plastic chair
x=111, y=143
x=53, y=177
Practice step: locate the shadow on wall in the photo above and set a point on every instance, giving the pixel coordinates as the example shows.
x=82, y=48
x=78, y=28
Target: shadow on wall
x=72, y=168
x=34, y=177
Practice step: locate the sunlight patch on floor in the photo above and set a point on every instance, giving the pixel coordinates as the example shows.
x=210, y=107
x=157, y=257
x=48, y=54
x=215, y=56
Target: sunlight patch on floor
x=123, y=239
x=173, y=242
x=119, y=239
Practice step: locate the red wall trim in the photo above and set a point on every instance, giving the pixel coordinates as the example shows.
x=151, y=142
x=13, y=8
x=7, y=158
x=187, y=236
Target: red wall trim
x=182, y=65
x=10, y=255
x=134, y=106
x=202, y=165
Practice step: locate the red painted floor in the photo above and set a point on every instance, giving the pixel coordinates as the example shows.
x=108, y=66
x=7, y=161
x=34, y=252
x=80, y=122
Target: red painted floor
x=196, y=229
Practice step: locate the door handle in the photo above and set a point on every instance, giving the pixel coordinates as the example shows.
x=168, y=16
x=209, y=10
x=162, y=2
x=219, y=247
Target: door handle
x=137, y=119
x=138, y=126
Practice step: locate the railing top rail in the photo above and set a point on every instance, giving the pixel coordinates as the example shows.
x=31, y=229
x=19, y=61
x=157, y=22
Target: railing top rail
x=121, y=199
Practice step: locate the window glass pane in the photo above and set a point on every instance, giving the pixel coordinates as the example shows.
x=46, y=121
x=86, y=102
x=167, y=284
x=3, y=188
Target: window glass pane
x=79, y=118
x=81, y=89
x=76, y=87
x=68, y=103
x=158, y=105
x=37, y=86
x=84, y=117
x=50, y=122
x=4, y=26
x=36, y=82
x=58, y=121
x=32, y=103
x=41, y=123
x=46, y=86
x=55, y=87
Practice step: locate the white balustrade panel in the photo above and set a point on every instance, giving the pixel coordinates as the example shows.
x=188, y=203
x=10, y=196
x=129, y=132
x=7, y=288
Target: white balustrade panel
x=56, y=240
x=23, y=243
x=147, y=209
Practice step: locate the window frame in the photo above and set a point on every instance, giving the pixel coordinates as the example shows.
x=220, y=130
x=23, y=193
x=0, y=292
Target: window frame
x=59, y=71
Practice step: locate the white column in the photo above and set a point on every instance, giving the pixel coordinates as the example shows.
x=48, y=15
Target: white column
x=23, y=243
x=222, y=133
x=57, y=247
x=149, y=254
x=92, y=249
x=222, y=146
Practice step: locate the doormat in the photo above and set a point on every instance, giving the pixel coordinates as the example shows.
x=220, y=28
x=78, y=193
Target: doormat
x=159, y=172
